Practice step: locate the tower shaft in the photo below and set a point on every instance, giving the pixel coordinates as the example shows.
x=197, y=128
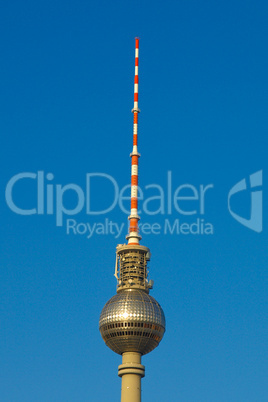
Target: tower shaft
x=132, y=322
x=131, y=370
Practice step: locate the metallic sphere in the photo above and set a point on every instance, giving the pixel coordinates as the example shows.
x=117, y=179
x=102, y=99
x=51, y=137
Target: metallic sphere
x=132, y=321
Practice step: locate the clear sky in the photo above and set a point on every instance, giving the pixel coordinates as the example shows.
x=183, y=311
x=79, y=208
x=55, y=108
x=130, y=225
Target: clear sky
x=67, y=71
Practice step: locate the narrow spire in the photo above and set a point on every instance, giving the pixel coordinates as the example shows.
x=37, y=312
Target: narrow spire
x=133, y=233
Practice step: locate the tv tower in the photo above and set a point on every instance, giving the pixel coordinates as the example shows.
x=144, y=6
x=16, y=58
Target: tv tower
x=132, y=323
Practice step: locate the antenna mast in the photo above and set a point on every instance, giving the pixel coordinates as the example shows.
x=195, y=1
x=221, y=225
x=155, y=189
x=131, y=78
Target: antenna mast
x=133, y=236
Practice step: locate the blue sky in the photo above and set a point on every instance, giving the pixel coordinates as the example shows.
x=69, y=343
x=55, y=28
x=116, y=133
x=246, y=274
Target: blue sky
x=67, y=75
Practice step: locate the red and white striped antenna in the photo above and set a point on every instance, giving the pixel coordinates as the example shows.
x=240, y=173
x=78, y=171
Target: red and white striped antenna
x=133, y=233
